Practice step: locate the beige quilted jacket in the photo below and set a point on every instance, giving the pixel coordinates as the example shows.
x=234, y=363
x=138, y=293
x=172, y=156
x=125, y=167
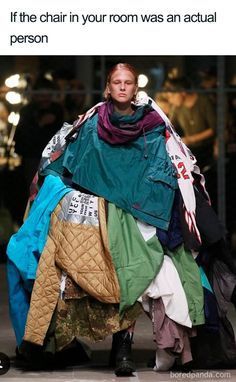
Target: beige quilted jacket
x=81, y=250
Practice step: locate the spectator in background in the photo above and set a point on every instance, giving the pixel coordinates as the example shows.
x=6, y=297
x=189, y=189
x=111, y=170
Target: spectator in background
x=74, y=102
x=39, y=121
x=3, y=118
x=195, y=115
x=208, y=78
x=209, y=81
x=231, y=163
x=72, y=93
x=162, y=100
x=231, y=121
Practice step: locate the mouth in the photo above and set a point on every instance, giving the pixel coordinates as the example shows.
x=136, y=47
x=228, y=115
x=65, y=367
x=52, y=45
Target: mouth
x=122, y=95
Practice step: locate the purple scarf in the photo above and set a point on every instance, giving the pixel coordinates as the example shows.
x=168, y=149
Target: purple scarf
x=117, y=129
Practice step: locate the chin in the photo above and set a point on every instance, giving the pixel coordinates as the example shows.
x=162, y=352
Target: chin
x=123, y=100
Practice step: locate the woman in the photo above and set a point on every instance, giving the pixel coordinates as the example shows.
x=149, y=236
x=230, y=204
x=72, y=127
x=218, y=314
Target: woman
x=118, y=203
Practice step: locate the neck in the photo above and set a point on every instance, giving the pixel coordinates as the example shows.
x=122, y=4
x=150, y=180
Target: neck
x=190, y=100
x=123, y=109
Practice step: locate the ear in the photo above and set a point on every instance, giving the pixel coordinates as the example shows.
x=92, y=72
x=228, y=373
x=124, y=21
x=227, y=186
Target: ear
x=107, y=92
x=108, y=89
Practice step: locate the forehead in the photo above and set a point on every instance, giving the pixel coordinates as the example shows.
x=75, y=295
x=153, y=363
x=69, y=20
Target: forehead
x=123, y=74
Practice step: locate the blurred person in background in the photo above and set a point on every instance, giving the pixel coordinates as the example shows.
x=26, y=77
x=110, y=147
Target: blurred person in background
x=74, y=101
x=3, y=117
x=231, y=162
x=195, y=115
x=162, y=100
x=231, y=121
x=6, y=223
x=208, y=78
x=208, y=81
x=39, y=121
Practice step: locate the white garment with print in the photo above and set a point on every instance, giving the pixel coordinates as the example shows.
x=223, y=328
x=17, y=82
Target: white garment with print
x=168, y=286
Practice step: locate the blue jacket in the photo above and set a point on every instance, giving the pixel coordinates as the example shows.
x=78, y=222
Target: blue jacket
x=25, y=248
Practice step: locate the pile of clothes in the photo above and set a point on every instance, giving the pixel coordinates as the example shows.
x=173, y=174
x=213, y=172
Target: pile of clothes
x=122, y=223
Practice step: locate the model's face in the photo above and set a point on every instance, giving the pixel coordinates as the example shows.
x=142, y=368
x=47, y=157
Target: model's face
x=122, y=86
x=176, y=99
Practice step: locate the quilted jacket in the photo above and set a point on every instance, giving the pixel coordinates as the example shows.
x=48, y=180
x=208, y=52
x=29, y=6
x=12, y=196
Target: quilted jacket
x=25, y=248
x=77, y=244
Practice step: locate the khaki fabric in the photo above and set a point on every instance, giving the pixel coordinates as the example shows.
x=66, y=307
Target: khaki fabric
x=83, y=253
x=44, y=295
x=80, y=250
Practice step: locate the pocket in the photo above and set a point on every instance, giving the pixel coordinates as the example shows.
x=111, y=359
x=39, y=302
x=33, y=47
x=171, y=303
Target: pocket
x=156, y=195
x=162, y=172
x=156, y=177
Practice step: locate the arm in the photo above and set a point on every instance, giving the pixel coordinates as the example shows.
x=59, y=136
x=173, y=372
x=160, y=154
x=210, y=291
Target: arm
x=209, y=113
x=199, y=137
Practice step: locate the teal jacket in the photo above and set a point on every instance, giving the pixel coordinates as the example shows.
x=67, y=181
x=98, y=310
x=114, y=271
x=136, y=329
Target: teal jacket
x=137, y=177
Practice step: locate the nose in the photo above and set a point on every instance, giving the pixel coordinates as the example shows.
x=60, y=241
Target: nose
x=122, y=86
